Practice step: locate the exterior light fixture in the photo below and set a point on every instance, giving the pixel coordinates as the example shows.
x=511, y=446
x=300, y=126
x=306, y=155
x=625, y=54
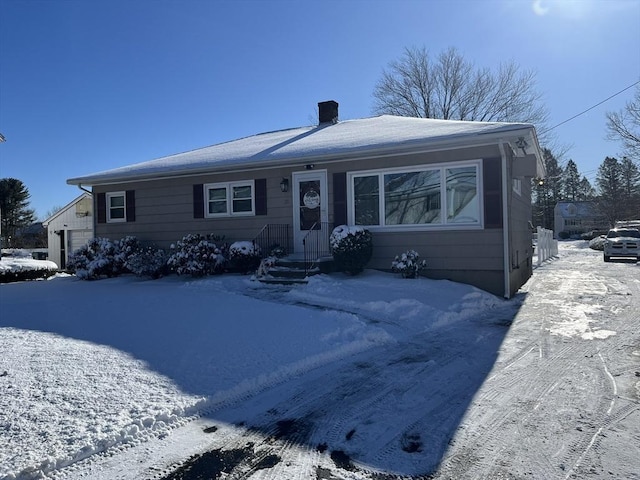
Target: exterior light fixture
x=284, y=185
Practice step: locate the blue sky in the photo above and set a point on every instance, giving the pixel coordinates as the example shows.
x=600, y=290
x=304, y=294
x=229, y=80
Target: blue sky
x=87, y=86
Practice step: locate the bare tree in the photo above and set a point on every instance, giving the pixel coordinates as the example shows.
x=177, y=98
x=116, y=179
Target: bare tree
x=624, y=126
x=450, y=87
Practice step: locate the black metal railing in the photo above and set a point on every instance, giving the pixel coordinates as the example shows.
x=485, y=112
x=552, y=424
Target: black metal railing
x=274, y=235
x=316, y=244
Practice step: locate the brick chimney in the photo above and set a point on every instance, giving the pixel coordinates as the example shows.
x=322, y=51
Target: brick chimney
x=328, y=112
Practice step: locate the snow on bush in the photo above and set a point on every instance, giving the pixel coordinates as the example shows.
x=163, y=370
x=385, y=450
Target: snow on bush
x=408, y=264
x=20, y=268
x=148, y=262
x=597, y=243
x=352, y=248
x=244, y=256
x=197, y=255
x=102, y=257
x=94, y=259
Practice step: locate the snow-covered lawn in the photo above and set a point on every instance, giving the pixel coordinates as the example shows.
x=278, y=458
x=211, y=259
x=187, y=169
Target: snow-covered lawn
x=89, y=365
x=116, y=378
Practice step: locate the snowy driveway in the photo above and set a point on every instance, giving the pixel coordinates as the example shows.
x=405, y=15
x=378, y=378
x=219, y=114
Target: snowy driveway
x=366, y=377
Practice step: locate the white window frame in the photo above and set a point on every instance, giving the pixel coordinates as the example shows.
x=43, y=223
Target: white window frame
x=109, y=196
x=228, y=186
x=442, y=225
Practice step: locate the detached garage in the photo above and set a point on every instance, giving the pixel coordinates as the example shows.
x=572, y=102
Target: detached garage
x=69, y=228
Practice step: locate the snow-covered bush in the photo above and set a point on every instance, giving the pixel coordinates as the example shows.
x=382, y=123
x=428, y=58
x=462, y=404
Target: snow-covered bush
x=352, y=248
x=102, y=257
x=244, y=256
x=99, y=257
x=196, y=255
x=148, y=262
x=408, y=264
x=597, y=243
x=277, y=250
x=127, y=247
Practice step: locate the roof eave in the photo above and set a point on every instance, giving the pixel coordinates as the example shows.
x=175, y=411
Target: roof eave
x=457, y=142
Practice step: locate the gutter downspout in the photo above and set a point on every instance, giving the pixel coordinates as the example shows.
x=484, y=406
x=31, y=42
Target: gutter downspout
x=84, y=189
x=506, y=264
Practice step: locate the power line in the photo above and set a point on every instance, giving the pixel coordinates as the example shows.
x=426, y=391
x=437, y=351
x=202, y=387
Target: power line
x=594, y=106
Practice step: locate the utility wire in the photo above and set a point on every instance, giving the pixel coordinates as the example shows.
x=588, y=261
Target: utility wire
x=594, y=106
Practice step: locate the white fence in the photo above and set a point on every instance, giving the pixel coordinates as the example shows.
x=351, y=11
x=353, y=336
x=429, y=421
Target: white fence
x=546, y=247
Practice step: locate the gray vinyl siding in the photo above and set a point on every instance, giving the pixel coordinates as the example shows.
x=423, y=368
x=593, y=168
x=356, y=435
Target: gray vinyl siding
x=164, y=210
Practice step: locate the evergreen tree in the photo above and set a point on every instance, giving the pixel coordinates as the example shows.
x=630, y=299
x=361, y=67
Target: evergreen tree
x=586, y=191
x=14, y=209
x=571, y=182
x=547, y=191
x=630, y=177
x=610, y=189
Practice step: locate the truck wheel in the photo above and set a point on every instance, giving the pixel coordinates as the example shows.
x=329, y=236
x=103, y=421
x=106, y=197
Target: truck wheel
x=607, y=258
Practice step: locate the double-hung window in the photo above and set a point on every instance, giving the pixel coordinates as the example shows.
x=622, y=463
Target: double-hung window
x=229, y=199
x=417, y=197
x=116, y=207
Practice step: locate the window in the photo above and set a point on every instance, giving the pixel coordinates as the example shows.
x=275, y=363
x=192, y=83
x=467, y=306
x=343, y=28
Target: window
x=227, y=199
x=116, y=206
x=420, y=196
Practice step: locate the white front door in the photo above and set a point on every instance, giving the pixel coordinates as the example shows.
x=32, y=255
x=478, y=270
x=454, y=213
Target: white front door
x=310, y=205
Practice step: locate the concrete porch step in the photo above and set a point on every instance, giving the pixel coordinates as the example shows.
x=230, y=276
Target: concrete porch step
x=291, y=271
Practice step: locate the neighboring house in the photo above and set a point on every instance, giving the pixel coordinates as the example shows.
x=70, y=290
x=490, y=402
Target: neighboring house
x=576, y=218
x=69, y=228
x=457, y=192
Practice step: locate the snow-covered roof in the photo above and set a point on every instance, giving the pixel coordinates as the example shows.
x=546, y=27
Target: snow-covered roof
x=342, y=140
x=576, y=209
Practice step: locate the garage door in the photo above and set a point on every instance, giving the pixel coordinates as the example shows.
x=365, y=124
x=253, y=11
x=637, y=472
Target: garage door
x=78, y=238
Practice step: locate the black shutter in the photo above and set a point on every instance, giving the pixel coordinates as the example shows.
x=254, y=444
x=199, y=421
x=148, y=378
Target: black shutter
x=340, y=198
x=492, y=181
x=101, y=207
x=130, y=202
x=198, y=201
x=261, y=196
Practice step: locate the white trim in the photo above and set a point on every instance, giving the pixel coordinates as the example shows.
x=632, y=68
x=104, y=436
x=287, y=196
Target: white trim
x=506, y=264
x=108, y=197
x=228, y=187
x=442, y=224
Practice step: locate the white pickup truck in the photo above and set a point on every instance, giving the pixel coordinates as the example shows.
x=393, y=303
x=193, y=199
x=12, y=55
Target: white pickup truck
x=622, y=242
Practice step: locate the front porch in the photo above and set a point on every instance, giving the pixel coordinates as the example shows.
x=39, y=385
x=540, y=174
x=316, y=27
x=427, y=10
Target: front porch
x=294, y=266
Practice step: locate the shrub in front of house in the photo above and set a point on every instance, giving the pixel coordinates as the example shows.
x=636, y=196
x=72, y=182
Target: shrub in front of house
x=18, y=265
x=196, y=255
x=563, y=235
x=148, y=262
x=277, y=250
x=99, y=257
x=126, y=248
x=244, y=257
x=408, y=264
x=351, y=247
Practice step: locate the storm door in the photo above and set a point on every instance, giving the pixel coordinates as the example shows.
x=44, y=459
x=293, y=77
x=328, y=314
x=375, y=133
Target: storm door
x=309, y=205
